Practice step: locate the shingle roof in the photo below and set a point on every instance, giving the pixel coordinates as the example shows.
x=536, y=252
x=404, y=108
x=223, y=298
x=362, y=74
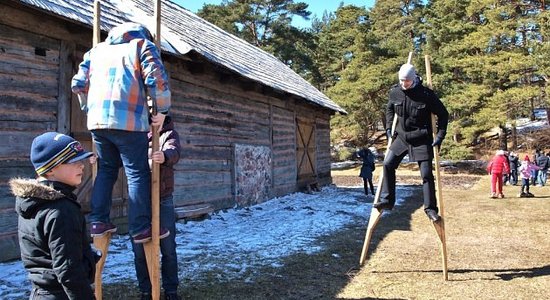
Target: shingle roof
x=183, y=31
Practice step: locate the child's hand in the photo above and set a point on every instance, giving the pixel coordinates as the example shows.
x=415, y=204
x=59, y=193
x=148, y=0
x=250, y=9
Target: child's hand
x=93, y=159
x=158, y=157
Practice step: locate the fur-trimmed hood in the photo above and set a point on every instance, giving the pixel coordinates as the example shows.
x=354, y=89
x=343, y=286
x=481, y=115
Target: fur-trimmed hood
x=32, y=193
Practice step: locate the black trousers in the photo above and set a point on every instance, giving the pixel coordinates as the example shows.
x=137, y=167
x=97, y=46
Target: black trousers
x=367, y=182
x=391, y=162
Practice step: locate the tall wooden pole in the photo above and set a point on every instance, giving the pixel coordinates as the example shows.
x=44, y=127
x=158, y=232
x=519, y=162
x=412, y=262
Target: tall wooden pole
x=375, y=214
x=439, y=225
x=100, y=242
x=152, y=248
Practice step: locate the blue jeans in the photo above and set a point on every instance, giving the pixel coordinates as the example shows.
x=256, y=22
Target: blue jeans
x=542, y=177
x=116, y=148
x=169, y=267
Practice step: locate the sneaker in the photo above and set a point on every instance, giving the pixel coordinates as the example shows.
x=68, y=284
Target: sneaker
x=529, y=195
x=501, y=195
x=522, y=195
x=493, y=195
x=145, y=236
x=382, y=205
x=432, y=215
x=100, y=229
x=171, y=296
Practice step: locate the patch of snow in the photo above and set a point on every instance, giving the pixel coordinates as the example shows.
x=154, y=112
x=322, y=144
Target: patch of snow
x=237, y=242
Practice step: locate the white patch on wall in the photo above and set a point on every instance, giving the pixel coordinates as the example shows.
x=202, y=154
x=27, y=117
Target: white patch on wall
x=252, y=174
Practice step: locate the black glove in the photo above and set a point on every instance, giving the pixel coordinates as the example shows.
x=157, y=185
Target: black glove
x=437, y=142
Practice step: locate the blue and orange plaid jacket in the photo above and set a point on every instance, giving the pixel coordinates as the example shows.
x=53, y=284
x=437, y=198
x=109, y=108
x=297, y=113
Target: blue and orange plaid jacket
x=117, y=75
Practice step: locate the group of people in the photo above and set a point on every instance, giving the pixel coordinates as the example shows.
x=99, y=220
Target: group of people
x=506, y=167
x=118, y=83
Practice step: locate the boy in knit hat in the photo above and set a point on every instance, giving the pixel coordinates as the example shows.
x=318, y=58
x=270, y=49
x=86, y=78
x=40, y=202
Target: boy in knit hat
x=412, y=104
x=52, y=230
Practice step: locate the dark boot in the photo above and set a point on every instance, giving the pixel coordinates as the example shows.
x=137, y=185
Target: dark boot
x=171, y=296
x=432, y=215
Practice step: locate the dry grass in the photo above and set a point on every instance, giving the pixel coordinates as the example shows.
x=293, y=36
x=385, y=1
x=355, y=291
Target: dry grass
x=497, y=249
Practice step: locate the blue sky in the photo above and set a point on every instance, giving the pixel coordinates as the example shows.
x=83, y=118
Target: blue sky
x=317, y=7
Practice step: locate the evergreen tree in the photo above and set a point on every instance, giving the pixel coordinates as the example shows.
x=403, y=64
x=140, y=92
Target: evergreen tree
x=381, y=44
x=267, y=24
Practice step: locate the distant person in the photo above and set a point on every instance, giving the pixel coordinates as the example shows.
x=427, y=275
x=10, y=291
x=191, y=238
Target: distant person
x=113, y=83
x=514, y=163
x=366, y=169
x=497, y=167
x=535, y=173
x=543, y=162
x=167, y=157
x=525, y=170
x=55, y=248
x=412, y=104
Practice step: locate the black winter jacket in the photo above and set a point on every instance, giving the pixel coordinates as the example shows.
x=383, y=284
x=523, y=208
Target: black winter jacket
x=414, y=131
x=53, y=239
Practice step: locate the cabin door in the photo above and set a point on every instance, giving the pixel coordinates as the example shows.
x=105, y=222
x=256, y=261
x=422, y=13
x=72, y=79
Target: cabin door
x=305, y=151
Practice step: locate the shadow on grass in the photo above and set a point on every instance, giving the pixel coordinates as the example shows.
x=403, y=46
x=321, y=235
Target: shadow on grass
x=397, y=219
x=502, y=274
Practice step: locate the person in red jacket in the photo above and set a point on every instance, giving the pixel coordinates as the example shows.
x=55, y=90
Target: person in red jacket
x=498, y=166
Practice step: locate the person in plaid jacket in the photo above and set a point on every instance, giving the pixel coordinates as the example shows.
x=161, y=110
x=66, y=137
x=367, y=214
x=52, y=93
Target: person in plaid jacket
x=113, y=83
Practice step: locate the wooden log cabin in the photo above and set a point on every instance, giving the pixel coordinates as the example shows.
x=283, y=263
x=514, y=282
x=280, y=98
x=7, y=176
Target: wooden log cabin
x=251, y=129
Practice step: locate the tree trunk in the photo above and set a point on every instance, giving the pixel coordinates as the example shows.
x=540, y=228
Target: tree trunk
x=503, y=138
x=514, y=137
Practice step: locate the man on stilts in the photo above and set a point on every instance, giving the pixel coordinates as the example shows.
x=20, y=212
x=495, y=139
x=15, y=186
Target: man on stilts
x=412, y=104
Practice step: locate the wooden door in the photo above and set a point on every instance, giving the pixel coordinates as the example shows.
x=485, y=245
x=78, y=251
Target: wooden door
x=305, y=150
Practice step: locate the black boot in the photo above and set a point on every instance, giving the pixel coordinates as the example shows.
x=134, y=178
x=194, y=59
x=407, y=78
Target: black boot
x=432, y=215
x=171, y=296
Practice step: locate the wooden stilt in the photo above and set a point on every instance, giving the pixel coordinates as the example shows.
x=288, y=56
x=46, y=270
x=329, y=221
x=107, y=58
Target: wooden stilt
x=375, y=214
x=439, y=225
x=152, y=248
x=101, y=243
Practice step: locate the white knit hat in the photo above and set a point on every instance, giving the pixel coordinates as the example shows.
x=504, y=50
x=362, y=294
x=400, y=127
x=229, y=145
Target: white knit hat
x=407, y=72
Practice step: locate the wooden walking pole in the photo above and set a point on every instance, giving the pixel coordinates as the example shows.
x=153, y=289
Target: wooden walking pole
x=439, y=225
x=100, y=242
x=152, y=248
x=375, y=214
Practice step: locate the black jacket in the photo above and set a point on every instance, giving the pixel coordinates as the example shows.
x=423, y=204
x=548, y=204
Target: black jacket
x=414, y=130
x=53, y=239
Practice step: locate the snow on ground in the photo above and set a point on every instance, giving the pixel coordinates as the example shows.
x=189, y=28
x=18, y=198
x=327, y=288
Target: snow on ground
x=236, y=242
